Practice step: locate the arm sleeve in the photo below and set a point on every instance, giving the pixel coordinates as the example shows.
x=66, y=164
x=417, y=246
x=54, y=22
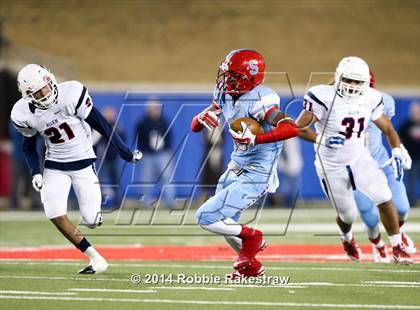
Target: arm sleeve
x=283, y=131
x=100, y=124
x=31, y=154
x=313, y=104
x=264, y=105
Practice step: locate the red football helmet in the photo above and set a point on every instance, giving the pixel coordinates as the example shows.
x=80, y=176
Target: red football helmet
x=241, y=71
x=372, y=82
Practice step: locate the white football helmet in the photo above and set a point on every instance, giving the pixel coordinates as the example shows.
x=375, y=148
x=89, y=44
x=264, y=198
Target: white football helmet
x=351, y=69
x=38, y=85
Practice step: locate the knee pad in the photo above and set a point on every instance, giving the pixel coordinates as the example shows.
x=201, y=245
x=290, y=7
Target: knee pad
x=381, y=195
x=348, y=217
x=371, y=217
x=96, y=222
x=205, y=216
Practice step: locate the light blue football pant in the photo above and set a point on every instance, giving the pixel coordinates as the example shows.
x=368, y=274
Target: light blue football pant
x=234, y=194
x=369, y=211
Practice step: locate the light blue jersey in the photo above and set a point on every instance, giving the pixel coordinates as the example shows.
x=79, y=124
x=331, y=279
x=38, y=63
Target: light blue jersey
x=252, y=171
x=255, y=103
x=374, y=134
x=367, y=208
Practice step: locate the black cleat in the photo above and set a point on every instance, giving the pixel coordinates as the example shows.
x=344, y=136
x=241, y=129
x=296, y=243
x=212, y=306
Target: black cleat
x=87, y=270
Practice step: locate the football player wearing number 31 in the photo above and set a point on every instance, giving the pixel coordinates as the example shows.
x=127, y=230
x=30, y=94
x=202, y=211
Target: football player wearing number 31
x=341, y=113
x=63, y=114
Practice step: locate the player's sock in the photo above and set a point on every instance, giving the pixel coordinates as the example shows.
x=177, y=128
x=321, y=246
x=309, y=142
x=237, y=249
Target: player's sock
x=234, y=242
x=348, y=236
x=377, y=242
x=227, y=227
x=373, y=233
x=85, y=247
x=402, y=218
x=395, y=239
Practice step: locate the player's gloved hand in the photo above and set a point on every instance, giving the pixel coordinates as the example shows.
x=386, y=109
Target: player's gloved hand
x=243, y=137
x=137, y=155
x=209, y=119
x=37, y=182
x=406, y=159
x=397, y=164
x=333, y=142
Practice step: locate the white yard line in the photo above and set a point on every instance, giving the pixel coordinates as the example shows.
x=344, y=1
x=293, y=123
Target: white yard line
x=110, y=290
x=62, y=278
x=193, y=266
x=35, y=293
x=226, y=287
x=193, y=288
x=392, y=282
x=384, y=285
x=207, y=302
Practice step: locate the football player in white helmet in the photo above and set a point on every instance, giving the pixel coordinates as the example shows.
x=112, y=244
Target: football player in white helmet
x=63, y=114
x=341, y=113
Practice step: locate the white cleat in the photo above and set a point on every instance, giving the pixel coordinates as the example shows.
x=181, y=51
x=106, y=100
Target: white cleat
x=410, y=247
x=97, y=265
x=380, y=254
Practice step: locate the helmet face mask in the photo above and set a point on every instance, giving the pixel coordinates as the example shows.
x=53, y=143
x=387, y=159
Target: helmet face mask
x=45, y=96
x=241, y=71
x=38, y=85
x=230, y=81
x=351, y=88
x=352, y=77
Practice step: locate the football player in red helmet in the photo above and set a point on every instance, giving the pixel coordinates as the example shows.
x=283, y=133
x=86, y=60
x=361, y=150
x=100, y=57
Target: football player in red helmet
x=252, y=172
x=240, y=72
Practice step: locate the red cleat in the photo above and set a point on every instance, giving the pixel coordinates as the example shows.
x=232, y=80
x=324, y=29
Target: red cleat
x=379, y=250
x=253, y=269
x=401, y=256
x=252, y=243
x=352, y=250
x=410, y=247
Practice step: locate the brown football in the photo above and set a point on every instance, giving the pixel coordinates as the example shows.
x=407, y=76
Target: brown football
x=253, y=125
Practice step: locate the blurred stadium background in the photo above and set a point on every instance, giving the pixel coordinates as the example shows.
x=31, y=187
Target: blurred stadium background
x=137, y=55
x=164, y=50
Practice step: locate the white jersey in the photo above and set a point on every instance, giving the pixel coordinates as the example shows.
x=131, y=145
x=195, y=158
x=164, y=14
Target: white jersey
x=338, y=116
x=67, y=136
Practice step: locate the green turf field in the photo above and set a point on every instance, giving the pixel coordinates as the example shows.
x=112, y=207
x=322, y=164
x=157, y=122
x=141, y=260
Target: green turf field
x=318, y=285
x=303, y=226
x=49, y=285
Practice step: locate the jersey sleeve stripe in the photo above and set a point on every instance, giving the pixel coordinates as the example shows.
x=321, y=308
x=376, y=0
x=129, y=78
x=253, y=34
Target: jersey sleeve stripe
x=18, y=126
x=315, y=99
x=379, y=104
x=270, y=115
x=82, y=96
x=31, y=107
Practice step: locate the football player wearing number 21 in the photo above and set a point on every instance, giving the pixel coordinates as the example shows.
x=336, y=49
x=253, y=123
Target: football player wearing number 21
x=63, y=114
x=251, y=173
x=341, y=113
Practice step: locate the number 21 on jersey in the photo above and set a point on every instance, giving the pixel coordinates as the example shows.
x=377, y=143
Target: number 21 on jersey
x=55, y=136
